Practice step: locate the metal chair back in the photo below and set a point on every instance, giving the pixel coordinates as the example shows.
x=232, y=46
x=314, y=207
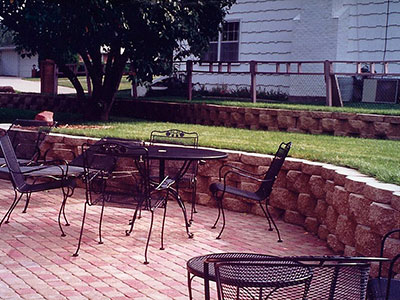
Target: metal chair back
x=17, y=178
x=265, y=188
x=175, y=136
x=286, y=278
x=27, y=136
x=386, y=288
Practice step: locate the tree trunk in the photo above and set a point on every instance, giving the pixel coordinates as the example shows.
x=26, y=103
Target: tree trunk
x=80, y=93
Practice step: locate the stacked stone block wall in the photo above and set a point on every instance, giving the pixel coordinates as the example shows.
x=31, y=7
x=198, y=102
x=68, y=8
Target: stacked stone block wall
x=332, y=123
x=347, y=209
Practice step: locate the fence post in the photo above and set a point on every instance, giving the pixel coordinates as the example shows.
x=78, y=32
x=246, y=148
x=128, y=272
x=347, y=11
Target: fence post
x=253, y=84
x=189, y=74
x=328, y=81
x=48, y=77
x=88, y=82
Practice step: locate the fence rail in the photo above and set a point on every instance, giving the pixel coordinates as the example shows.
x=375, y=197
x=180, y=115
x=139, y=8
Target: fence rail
x=324, y=76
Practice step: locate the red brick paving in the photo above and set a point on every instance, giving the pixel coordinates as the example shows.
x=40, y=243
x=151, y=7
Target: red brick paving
x=37, y=263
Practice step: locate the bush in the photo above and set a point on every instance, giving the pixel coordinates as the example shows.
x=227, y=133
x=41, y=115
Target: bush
x=239, y=92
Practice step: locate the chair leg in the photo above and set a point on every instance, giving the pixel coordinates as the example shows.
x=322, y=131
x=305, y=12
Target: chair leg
x=190, y=278
x=163, y=223
x=219, y=211
x=148, y=237
x=223, y=220
x=266, y=215
x=81, y=233
x=62, y=211
x=273, y=222
x=193, y=210
x=68, y=193
x=10, y=210
x=132, y=223
x=28, y=198
x=183, y=208
x=101, y=219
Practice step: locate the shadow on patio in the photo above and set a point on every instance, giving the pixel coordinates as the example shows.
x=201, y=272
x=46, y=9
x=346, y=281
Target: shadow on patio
x=37, y=263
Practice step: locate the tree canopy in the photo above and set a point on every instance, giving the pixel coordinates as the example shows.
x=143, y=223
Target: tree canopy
x=150, y=34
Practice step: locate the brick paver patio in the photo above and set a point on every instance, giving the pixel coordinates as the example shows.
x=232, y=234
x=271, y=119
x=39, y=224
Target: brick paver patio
x=37, y=263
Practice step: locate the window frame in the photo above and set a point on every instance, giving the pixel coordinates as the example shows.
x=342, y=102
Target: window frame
x=220, y=41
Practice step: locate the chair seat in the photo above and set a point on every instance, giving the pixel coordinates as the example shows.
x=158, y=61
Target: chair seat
x=219, y=187
x=52, y=170
x=44, y=186
x=21, y=161
x=377, y=289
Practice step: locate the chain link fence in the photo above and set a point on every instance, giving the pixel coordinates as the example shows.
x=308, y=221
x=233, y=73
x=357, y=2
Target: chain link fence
x=358, y=84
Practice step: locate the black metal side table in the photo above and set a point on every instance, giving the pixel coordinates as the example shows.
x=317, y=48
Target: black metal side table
x=199, y=266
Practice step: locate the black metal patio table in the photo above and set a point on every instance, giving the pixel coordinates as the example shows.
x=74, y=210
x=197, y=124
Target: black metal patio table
x=162, y=153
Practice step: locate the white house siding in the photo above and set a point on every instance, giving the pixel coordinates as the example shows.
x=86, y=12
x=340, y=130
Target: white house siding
x=298, y=30
x=265, y=34
x=12, y=64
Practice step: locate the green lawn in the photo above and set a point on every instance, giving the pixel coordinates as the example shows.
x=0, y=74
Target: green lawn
x=377, y=158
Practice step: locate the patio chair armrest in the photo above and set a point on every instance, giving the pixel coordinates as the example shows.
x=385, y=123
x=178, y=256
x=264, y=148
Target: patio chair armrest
x=246, y=175
x=50, y=150
x=165, y=184
x=35, y=169
x=221, y=174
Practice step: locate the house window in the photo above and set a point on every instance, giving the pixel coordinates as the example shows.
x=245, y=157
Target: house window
x=226, y=48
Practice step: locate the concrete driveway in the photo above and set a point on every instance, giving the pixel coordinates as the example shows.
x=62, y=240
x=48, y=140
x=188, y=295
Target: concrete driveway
x=27, y=86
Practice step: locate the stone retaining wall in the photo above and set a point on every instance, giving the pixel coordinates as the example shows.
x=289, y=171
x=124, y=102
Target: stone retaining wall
x=332, y=123
x=340, y=124
x=348, y=210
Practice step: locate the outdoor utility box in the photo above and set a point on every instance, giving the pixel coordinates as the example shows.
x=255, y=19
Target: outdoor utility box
x=380, y=90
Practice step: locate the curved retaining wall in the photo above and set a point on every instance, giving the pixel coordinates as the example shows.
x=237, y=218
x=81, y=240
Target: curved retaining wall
x=340, y=124
x=347, y=209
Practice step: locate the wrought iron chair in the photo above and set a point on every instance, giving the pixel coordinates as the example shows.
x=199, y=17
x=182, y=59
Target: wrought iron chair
x=99, y=161
x=44, y=177
x=26, y=137
x=189, y=180
x=381, y=288
x=219, y=189
x=308, y=278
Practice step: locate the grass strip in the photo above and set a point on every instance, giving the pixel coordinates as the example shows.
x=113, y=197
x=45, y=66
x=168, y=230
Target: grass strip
x=376, y=158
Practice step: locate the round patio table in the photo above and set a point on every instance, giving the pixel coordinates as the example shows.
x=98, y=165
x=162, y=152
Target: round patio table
x=203, y=267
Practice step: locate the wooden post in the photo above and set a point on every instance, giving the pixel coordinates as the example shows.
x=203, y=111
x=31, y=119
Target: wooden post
x=48, y=77
x=328, y=82
x=189, y=74
x=253, y=84
x=88, y=82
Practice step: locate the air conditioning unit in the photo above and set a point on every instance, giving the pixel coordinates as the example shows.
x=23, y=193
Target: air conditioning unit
x=380, y=90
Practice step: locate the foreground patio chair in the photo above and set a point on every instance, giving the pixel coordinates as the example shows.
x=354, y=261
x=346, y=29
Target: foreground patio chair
x=189, y=180
x=26, y=138
x=382, y=288
x=292, y=278
x=43, y=177
x=261, y=276
x=265, y=181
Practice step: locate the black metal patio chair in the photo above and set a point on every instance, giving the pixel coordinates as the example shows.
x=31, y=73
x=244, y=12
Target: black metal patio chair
x=189, y=180
x=30, y=179
x=386, y=288
x=26, y=138
x=265, y=181
x=310, y=278
x=99, y=161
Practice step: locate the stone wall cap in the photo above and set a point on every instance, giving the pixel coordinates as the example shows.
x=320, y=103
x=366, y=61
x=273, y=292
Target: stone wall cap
x=75, y=136
x=384, y=186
